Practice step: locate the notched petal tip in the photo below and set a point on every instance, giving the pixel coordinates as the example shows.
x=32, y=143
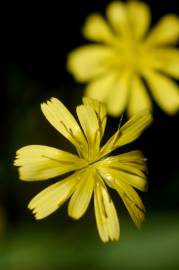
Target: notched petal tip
x=16, y=161
x=51, y=198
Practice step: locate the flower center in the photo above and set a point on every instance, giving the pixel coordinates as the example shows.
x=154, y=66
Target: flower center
x=130, y=56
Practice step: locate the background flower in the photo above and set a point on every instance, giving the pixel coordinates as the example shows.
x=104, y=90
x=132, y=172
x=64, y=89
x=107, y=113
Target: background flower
x=126, y=61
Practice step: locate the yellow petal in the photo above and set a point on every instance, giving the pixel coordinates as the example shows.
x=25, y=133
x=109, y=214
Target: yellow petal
x=51, y=198
x=167, y=61
x=165, y=32
x=111, y=174
x=132, y=202
x=171, y=65
x=97, y=29
x=128, y=167
x=61, y=119
x=140, y=17
x=164, y=90
x=139, y=98
x=81, y=197
x=38, y=162
x=89, y=122
x=100, y=111
x=106, y=216
x=172, y=68
x=89, y=61
x=102, y=87
x=117, y=100
x=135, y=157
x=118, y=18
x=130, y=131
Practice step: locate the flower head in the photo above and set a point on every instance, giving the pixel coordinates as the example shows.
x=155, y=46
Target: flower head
x=126, y=61
x=93, y=169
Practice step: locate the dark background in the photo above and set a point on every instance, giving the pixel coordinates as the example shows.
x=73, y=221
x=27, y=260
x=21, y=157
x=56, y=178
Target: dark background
x=35, y=40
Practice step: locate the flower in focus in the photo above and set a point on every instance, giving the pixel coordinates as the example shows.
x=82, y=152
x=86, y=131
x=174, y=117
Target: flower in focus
x=93, y=169
x=126, y=64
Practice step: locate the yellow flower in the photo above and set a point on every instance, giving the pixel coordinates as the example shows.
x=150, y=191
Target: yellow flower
x=92, y=170
x=126, y=61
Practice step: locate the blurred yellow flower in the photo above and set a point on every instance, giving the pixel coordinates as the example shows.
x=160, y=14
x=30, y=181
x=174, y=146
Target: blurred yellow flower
x=126, y=61
x=92, y=170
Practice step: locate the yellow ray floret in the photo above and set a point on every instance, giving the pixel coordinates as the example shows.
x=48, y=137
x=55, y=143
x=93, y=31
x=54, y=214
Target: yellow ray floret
x=38, y=162
x=91, y=171
x=105, y=212
x=126, y=59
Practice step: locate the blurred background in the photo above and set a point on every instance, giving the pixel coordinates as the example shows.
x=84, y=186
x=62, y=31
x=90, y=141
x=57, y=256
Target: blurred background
x=35, y=40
